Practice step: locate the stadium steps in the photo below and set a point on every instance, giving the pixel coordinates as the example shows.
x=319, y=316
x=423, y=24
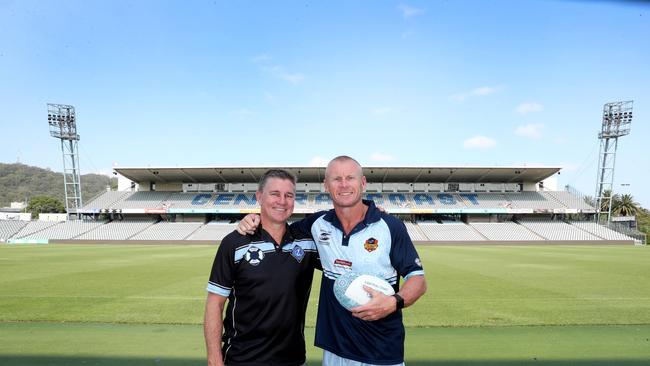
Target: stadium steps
x=415, y=232
x=530, y=231
x=193, y=232
x=130, y=237
x=9, y=228
x=34, y=227
x=478, y=232
x=106, y=199
x=90, y=229
x=600, y=231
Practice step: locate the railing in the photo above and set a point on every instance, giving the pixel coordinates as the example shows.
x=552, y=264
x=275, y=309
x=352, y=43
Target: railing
x=639, y=237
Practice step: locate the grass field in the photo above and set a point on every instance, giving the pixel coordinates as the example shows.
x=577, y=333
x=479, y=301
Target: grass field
x=143, y=305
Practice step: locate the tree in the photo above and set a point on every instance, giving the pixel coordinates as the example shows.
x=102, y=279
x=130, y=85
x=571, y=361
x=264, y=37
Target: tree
x=625, y=206
x=44, y=204
x=606, y=200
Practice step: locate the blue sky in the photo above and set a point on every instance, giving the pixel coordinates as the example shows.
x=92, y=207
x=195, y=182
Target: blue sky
x=200, y=83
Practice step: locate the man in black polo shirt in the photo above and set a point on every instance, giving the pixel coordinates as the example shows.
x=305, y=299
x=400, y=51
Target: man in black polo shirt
x=266, y=278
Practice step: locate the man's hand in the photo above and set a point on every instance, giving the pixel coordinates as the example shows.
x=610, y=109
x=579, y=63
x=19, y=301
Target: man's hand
x=378, y=307
x=248, y=224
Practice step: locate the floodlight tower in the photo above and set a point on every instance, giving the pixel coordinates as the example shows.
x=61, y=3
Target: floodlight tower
x=63, y=125
x=617, y=118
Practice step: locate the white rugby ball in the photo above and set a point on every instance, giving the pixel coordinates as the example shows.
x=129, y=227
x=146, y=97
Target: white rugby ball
x=348, y=288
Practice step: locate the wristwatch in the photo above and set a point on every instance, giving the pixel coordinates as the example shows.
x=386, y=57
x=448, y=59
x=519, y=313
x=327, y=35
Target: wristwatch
x=400, y=301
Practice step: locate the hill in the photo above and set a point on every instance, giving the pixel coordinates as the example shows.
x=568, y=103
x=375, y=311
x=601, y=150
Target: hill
x=20, y=182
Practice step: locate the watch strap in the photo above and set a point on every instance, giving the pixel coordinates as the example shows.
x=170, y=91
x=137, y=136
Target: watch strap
x=400, y=301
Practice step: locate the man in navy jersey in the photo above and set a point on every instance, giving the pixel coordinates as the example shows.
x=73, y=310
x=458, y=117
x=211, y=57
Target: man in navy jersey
x=266, y=277
x=356, y=236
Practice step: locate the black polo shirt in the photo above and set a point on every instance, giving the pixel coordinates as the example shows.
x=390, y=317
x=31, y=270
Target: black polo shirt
x=268, y=289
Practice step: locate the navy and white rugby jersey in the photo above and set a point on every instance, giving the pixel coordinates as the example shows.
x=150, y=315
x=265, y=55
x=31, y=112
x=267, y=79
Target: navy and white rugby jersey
x=268, y=289
x=379, y=245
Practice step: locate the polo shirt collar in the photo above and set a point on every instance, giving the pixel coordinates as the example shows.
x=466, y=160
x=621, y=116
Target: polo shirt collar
x=263, y=235
x=372, y=215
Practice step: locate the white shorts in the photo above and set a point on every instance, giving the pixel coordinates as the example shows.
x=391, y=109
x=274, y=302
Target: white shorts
x=330, y=359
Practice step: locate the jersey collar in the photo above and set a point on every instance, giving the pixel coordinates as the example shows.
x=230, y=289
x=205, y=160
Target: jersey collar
x=372, y=215
x=262, y=235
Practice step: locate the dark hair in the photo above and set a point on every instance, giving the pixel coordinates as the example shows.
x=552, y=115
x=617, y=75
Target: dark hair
x=276, y=173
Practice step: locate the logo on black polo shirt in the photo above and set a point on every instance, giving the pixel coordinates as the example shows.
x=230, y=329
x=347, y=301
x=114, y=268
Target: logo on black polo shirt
x=371, y=244
x=254, y=256
x=298, y=253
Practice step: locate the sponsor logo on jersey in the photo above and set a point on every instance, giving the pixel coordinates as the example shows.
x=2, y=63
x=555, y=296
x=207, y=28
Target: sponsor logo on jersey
x=342, y=263
x=254, y=256
x=418, y=262
x=371, y=244
x=298, y=253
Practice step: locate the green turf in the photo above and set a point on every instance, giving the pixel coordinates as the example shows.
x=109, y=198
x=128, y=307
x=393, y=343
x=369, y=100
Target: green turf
x=468, y=285
x=60, y=344
x=483, y=305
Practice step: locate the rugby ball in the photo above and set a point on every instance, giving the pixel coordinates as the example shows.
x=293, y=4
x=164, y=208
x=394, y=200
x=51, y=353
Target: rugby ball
x=348, y=288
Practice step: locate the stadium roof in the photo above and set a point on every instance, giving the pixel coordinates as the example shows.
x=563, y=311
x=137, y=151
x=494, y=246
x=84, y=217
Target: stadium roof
x=396, y=174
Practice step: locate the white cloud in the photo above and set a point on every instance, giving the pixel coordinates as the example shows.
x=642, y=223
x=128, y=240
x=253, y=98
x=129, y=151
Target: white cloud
x=318, y=161
x=529, y=107
x=381, y=158
x=533, y=131
x=410, y=11
x=279, y=72
x=478, y=92
x=479, y=142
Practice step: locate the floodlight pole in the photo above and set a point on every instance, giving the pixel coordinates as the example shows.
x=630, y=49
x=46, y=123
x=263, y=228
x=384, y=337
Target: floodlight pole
x=617, y=118
x=63, y=125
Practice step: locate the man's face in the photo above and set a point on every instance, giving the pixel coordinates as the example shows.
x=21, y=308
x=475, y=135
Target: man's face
x=276, y=200
x=345, y=183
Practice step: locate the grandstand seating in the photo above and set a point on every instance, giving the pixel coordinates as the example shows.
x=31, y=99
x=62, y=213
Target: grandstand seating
x=33, y=227
x=532, y=212
x=65, y=230
x=486, y=200
x=449, y=232
x=414, y=232
x=534, y=200
x=141, y=200
x=321, y=201
x=10, y=227
x=168, y=231
x=505, y=231
x=533, y=229
x=600, y=231
x=558, y=230
x=213, y=231
x=107, y=199
x=569, y=200
x=117, y=230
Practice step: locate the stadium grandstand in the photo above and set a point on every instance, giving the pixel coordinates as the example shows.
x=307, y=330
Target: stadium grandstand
x=439, y=205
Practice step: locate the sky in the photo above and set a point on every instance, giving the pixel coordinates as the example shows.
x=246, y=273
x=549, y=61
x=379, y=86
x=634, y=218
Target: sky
x=295, y=83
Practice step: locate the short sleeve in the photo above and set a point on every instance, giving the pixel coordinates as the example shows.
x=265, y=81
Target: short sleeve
x=403, y=256
x=223, y=267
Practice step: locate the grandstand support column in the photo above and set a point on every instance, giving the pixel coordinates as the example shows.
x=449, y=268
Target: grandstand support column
x=63, y=126
x=616, y=121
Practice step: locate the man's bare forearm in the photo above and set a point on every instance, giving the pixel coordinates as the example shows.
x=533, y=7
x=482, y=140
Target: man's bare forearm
x=213, y=329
